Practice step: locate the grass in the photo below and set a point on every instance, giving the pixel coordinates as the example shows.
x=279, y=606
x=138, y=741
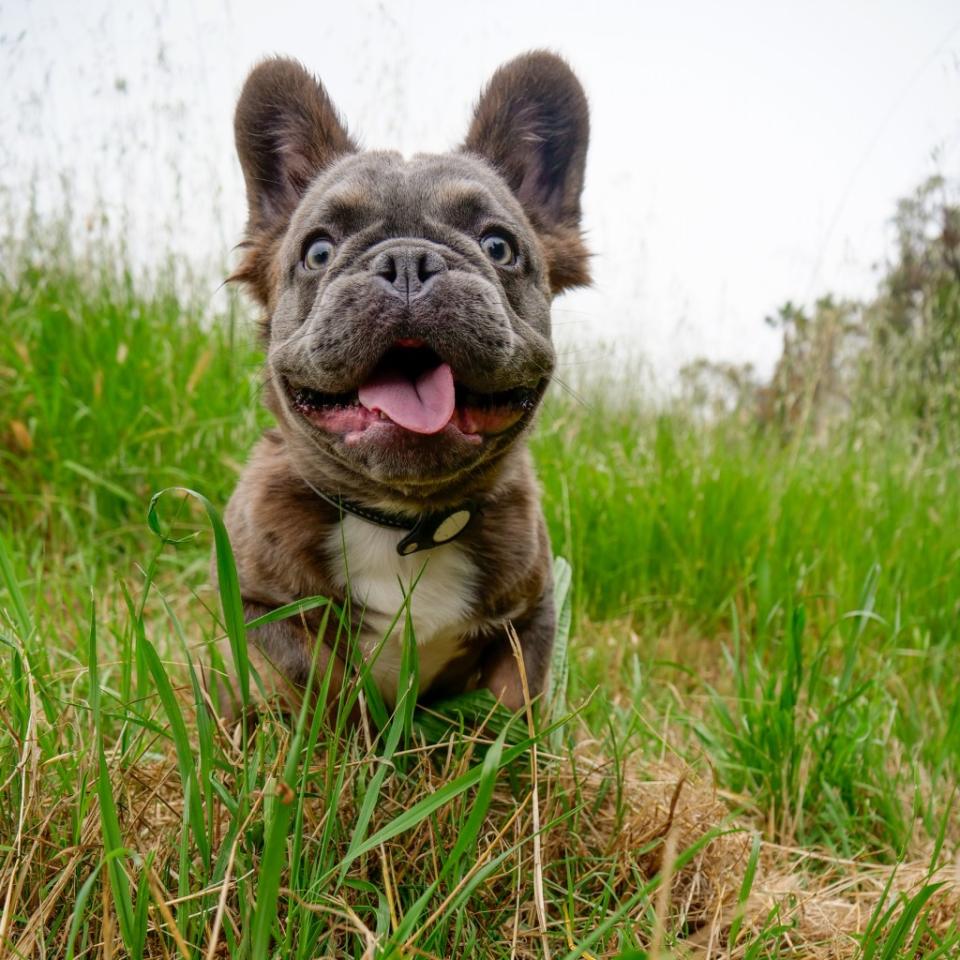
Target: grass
x=755, y=753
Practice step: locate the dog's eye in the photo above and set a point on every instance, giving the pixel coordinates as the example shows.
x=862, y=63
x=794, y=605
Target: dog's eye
x=318, y=254
x=499, y=249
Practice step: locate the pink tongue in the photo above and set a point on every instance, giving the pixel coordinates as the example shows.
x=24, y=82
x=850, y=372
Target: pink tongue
x=424, y=405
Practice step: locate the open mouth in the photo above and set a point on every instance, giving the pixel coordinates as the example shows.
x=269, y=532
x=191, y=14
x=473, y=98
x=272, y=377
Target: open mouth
x=412, y=388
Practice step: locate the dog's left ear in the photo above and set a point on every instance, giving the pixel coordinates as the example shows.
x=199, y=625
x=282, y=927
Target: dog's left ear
x=533, y=124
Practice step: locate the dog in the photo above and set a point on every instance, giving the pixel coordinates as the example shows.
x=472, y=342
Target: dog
x=406, y=324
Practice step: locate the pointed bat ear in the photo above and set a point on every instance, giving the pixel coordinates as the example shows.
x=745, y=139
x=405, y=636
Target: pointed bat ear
x=532, y=123
x=287, y=131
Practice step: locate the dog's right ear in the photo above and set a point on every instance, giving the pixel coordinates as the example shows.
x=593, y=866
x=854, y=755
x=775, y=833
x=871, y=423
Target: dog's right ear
x=287, y=131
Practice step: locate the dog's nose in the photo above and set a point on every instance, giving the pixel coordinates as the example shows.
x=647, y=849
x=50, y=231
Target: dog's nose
x=407, y=271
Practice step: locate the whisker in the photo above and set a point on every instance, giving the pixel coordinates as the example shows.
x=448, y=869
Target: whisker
x=571, y=392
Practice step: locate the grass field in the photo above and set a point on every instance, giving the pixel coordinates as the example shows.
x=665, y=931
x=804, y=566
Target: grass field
x=755, y=752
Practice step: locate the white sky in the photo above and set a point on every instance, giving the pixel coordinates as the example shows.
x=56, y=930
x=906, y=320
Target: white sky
x=742, y=153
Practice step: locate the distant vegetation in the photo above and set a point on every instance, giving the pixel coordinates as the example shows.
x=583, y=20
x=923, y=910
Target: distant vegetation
x=892, y=359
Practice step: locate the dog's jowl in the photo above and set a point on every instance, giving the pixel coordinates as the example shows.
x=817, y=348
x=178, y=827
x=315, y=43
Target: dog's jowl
x=407, y=331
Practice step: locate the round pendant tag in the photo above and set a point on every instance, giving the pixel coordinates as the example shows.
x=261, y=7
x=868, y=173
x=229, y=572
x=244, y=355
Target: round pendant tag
x=450, y=526
x=435, y=529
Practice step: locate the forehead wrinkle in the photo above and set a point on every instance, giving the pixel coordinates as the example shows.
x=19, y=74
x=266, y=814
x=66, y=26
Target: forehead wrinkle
x=348, y=207
x=464, y=201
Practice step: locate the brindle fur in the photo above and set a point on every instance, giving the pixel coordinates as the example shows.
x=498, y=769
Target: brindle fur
x=521, y=169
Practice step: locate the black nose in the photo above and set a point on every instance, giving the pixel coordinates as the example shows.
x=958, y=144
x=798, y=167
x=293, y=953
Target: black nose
x=407, y=270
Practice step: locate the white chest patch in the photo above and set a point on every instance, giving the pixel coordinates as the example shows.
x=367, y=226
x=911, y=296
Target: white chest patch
x=445, y=577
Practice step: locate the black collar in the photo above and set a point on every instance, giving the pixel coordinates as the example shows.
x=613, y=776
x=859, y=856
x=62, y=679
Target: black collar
x=431, y=529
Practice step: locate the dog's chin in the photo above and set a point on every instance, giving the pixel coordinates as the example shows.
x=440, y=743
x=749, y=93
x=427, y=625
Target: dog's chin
x=480, y=428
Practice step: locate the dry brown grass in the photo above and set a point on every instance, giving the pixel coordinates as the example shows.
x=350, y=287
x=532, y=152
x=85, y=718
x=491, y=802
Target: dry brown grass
x=625, y=834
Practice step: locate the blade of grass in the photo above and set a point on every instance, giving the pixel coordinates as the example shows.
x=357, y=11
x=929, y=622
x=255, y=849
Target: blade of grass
x=182, y=745
x=109, y=820
x=228, y=583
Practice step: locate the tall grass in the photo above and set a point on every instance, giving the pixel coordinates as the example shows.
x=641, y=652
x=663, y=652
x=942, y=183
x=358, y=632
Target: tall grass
x=774, y=621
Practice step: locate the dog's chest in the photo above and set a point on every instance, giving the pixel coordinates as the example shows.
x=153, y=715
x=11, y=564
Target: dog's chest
x=442, y=586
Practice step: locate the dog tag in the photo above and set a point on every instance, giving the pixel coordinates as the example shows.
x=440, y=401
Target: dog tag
x=434, y=529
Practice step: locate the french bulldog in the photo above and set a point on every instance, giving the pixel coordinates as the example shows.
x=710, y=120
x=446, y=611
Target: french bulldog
x=406, y=324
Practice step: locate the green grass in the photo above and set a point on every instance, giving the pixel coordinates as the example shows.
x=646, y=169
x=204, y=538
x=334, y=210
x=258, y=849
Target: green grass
x=766, y=629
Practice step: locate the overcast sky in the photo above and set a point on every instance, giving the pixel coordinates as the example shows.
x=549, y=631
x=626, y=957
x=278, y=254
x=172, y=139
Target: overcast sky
x=742, y=153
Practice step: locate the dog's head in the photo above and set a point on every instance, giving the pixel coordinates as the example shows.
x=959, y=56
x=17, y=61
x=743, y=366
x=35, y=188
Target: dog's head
x=407, y=302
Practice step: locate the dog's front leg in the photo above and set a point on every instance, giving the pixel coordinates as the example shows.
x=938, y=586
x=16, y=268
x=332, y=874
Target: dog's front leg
x=500, y=671
x=281, y=653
